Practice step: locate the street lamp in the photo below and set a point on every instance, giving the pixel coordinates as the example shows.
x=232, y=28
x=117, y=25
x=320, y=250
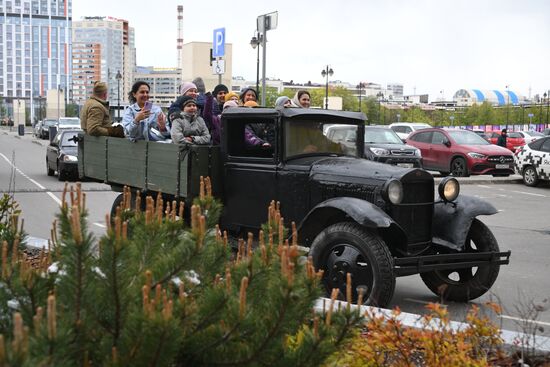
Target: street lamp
x=547, y=97
x=326, y=73
x=380, y=96
x=118, y=78
x=507, y=106
x=360, y=86
x=255, y=42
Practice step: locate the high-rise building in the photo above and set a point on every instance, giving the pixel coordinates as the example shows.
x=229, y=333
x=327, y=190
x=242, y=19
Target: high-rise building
x=104, y=48
x=35, y=50
x=164, y=82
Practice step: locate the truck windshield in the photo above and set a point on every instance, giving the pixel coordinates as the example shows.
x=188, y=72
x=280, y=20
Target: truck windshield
x=310, y=138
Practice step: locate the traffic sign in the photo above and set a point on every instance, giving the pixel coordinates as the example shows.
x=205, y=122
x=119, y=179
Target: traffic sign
x=218, y=43
x=218, y=67
x=530, y=115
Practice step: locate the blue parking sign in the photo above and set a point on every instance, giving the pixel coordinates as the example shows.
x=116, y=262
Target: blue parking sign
x=218, y=44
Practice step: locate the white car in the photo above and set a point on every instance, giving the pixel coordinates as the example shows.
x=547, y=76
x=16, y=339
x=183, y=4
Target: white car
x=530, y=136
x=68, y=123
x=404, y=129
x=533, y=161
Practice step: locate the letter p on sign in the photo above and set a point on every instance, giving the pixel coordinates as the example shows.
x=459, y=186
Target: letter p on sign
x=218, y=44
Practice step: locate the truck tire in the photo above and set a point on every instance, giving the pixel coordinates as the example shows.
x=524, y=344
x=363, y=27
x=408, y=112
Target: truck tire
x=347, y=247
x=530, y=177
x=462, y=285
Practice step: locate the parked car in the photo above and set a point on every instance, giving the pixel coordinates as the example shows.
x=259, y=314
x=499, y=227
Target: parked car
x=513, y=141
x=62, y=153
x=370, y=220
x=381, y=145
x=68, y=123
x=530, y=136
x=546, y=132
x=482, y=133
x=533, y=161
x=44, y=132
x=404, y=129
x=461, y=153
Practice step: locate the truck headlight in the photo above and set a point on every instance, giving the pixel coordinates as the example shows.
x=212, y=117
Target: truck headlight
x=380, y=151
x=70, y=158
x=448, y=189
x=393, y=191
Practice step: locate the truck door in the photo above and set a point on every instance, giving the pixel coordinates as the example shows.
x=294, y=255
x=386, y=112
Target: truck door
x=249, y=174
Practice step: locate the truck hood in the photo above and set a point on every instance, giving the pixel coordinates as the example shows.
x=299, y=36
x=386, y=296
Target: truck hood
x=355, y=170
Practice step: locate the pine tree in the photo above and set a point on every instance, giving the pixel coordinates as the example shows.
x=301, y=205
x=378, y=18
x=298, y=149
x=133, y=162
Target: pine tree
x=156, y=291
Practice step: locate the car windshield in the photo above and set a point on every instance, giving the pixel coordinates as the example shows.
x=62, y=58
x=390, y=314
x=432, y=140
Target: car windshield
x=69, y=122
x=464, y=137
x=381, y=136
x=306, y=137
x=65, y=142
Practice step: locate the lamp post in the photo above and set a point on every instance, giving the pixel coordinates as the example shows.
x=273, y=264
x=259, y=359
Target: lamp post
x=326, y=73
x=380, y=96
x=255, y=42
x=507, y=106
x=360, y=86
x=452, y=118
x=547, y=97
x=398, y=117
x=58, y=92
x=118, y=78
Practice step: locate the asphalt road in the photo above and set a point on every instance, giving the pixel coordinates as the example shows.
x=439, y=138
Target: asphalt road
x=522, y=225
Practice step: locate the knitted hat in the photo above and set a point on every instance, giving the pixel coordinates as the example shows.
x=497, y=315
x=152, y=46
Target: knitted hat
x=251, y=104
x=218, y=88
x=243, y=93
x=100, y=88
x=200, y=84
x=230, y=104
x=185, y=100
x=230, y=95
x=186, y=86
x=280, y=102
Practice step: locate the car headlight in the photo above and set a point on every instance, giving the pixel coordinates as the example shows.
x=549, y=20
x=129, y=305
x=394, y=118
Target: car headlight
x=70, y=158
x=380, y=151
x=393, y=191
x=418, y=153
x=448, y=189
x=477, y=155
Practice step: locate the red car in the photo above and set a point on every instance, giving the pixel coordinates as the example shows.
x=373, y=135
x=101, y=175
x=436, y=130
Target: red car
x=461, y=152
x=514, y=140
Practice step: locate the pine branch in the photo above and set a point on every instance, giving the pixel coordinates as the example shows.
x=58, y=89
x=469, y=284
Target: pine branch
x=116, y=297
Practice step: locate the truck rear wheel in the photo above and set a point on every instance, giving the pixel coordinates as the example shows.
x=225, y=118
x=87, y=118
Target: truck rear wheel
x=348, y=248
x=462, y=285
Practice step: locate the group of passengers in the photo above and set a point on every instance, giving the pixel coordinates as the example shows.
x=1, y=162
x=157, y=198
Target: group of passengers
x=193, y=118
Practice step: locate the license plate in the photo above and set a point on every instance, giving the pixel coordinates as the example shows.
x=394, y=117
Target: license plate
x=502, y=166
x=405, y=165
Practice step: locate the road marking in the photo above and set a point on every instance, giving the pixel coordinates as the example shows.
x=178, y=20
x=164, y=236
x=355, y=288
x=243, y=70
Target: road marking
x=100, y=225
x=529, y=193
x=484, y=186
x=419, y=301
x=524, y=320
x=50, y=194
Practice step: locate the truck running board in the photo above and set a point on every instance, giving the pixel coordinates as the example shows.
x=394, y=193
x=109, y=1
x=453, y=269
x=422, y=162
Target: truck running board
x=421, y=264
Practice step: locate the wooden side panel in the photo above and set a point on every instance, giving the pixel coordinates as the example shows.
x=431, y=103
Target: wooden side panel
x=167, y=169
x=126, y=162
x=92, y=157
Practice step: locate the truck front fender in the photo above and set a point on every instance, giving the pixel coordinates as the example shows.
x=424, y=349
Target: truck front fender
x=345, y=209
x=452, y=221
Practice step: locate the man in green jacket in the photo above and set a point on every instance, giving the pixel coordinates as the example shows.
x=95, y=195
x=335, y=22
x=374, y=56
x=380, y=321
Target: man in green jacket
x=94, y=117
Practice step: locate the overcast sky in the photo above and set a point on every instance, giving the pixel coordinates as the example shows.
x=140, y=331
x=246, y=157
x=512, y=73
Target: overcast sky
x=427, y=45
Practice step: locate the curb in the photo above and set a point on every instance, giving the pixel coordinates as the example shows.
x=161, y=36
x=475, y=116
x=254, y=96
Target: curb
x=509, y=337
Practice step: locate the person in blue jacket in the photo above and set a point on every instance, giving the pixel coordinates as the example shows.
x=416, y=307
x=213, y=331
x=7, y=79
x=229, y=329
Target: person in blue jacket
x=143, y=120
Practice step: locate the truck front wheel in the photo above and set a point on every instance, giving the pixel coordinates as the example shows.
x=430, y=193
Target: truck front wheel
x=348, y=248
x=462, y=285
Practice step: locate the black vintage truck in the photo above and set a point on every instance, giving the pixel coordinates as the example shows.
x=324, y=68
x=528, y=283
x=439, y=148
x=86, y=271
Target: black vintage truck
x=372, y=220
